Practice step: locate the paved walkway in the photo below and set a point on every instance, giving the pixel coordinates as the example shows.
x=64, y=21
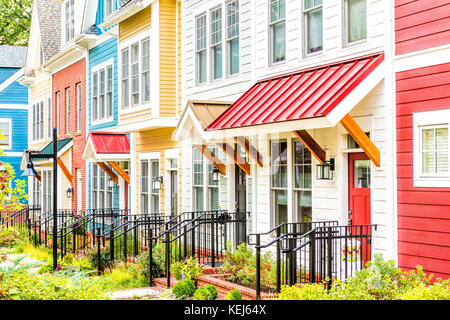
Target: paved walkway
x=137, y=293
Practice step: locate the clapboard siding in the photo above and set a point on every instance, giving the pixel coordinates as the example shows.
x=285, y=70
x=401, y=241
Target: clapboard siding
x=15, y=93
x=423, y=213
x=101, y=53
x=421, y=24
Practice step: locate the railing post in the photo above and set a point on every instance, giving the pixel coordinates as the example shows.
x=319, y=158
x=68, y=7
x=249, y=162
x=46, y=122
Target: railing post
x=74, y=236
x=278, y=261
x=168, y=259
x=213, y=254
x=135, y=235
x=193, y=235
x=98, y=251
x=111, y=242
x=330, y=258
x=312, y=258
x=125, y=240
x=258, y=267
x=291, y=262
x=150, y=257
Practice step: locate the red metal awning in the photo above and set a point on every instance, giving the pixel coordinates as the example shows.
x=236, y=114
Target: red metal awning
x=112, y=145
x=305, y=94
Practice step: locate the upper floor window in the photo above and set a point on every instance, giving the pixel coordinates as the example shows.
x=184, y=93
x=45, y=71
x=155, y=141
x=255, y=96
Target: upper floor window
x=135, y=79
x=108, y=7
x=216, y=43
x=67, y=110
x=78, y=101
x=278, y=30
x=70, y=20
x=355, y=12
x=233, y=37
x=38, y=121
x=200, y=27
x=102, y=93
x=313, y=26
x=58, y=112
x=5, y=130
x=49, y=118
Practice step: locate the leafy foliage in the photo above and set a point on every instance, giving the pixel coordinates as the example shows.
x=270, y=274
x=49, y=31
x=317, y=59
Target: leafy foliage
x=188, y=269
x=233, y=294
x=143, y=261
x=105, y=261
x=208, y=292
x=12, y=192
x=15, y=22
x=183, y=289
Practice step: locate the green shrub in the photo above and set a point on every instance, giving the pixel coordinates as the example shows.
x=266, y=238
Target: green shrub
x=183, y=289
x=188, y=269
x=9, y=237
x=436, y=291
x=105, y=261
x=208, y=292
x=175, y=270
x=143, y=266
x=122, y=277
x=233, y=294
x=305, y=292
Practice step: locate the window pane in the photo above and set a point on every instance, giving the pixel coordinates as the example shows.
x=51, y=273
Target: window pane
x=279, y=41
x=303, y=206
x=277, y=10
x=202, y=66
x=234, y=56
x=232, y=19
x=217, y=61
x=314, y=30
x=357, y=16
x=280, y=201
x=442, y=150
x=198, y=199
x=361, y=174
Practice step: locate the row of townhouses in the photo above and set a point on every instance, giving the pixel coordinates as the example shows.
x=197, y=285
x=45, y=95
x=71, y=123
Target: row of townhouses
x=288, y=110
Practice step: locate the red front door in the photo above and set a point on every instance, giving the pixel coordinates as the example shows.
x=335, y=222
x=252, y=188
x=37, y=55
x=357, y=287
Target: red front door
x=359, y=188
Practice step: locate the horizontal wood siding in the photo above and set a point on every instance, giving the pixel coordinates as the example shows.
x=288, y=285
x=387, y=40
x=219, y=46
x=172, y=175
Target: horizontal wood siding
x=423, y=213
x=421, y=24
x=135, y=24
x=168, y=57
x=15, y=93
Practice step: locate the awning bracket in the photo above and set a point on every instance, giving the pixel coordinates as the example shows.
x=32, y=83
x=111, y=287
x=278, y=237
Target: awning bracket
x=250, y=150
x=311, y=145
x=235, y=156
x=211, y=156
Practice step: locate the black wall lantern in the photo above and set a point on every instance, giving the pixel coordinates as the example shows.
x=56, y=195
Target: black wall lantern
x=325, y=170
x=215, y=175
x=69, y=192
x=157, y=182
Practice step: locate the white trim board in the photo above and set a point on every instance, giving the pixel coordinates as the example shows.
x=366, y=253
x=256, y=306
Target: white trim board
x=14, y=77
x=422, y=58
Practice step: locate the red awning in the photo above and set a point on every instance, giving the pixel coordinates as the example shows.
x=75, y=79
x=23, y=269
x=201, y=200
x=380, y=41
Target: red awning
x=305, y=94
x=109, y=144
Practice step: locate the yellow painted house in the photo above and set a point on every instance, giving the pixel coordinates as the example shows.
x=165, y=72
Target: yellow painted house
x=149, y=85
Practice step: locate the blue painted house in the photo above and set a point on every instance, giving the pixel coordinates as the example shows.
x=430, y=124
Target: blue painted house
x=102, y=101
x=13, y=106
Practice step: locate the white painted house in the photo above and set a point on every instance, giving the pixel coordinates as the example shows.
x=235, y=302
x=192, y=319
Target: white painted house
x=311, y=70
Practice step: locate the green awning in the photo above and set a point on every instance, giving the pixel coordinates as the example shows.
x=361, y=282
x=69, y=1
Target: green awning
x=48, y=149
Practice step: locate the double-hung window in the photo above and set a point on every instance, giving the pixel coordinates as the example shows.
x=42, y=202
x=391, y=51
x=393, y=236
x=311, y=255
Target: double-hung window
x=67, y=110
x=78, y=101
x=58, y=111
x=355, y=23
x=154, y=167
x=36, y=200
x=47, y=190
x=108, y=7
x=313, y=26
x=145, y=69
x=144, y=187
x=279, y=172
x=198, y=182
x=302, y=182
x=150, y=197
x=125, y=78
x=200, y=27
x=134, y=74
x=38, y=121
x=102, y=93
x=216, y=43
x=233, y=37
x=277, y=25
x=49, y=118
x=70, y=20
x=5, y=130
x=102, y=192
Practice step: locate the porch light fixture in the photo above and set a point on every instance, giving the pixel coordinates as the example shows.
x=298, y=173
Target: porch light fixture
x=69, y=192
x=325, y=170
x=215, y=175
x=111, y=183
x=157, y=182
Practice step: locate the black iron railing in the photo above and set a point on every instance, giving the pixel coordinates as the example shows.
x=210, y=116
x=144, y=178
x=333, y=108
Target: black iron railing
x=315, y=252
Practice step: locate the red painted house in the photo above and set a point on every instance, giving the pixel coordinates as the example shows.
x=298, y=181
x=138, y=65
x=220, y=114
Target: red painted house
x=422, y=66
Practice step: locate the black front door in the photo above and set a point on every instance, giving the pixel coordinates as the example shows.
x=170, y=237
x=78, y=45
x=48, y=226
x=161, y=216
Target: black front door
x=240, y=204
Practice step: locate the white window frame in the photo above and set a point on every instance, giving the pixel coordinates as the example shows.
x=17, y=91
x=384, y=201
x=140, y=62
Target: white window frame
x=271, y=42
x=9, y=145
x=422, y=120
x=101, y=192
x=37, y=121
x=96, y=71
x=69, y=20
x=228, y=40
x=149, y=158
x=107, y=11
x=212, y=45
x=78, y=100
x=305, y=29
x=199, y=51
x=142, y=105
x=67, y=100
x=49, y=118
x=345, y=26
x=58, y=111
